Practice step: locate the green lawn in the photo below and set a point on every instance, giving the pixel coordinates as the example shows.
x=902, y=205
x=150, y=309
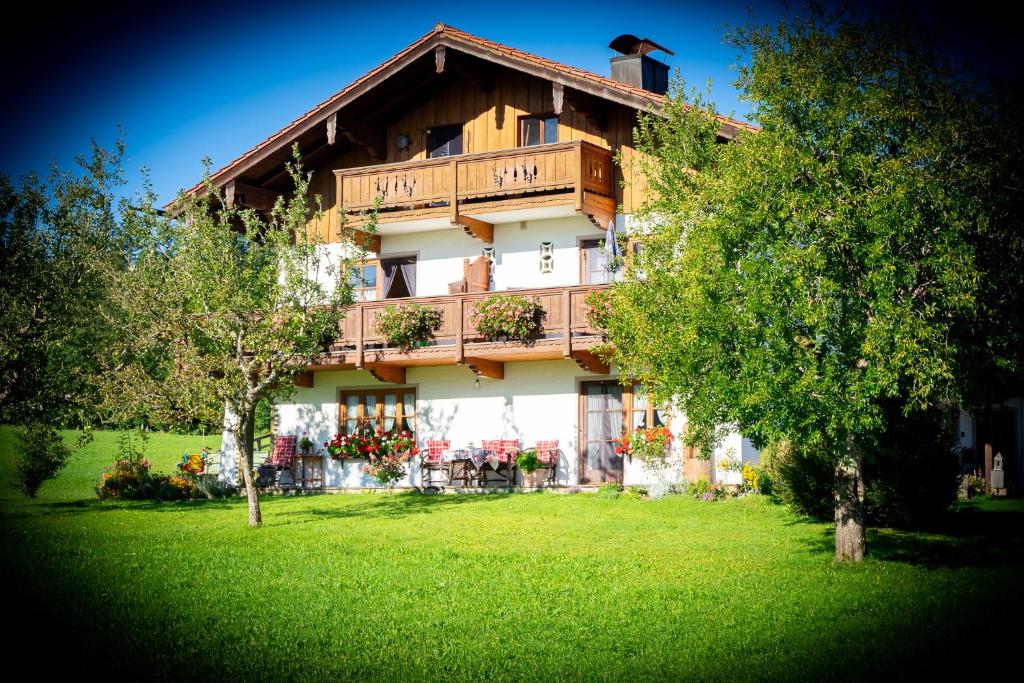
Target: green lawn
x=527, y=586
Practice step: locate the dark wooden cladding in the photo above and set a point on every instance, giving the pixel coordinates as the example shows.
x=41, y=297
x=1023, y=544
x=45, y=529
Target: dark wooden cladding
x=413, y=188
x=563, y=307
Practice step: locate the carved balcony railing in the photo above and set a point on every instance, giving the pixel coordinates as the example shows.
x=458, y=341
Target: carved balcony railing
x=566, y=333
x=574, y=173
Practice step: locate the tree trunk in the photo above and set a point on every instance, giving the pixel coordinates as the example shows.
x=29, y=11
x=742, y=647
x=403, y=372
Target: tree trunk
x=245, y=446
x=850, y=540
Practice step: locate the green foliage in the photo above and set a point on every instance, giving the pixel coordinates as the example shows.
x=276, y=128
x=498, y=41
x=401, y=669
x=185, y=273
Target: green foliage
x=802, y=477
x=510, y=316
x=264, y=410
x=407, y=326
x=527, y=461
x=976, y=485
x=61, y=242
x=911, y=472
x=794, y=281
x=610, y=489
x=41, y=455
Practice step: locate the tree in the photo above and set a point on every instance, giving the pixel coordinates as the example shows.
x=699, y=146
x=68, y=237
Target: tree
x=795, y=281
x=221, y=309
x=60, y=243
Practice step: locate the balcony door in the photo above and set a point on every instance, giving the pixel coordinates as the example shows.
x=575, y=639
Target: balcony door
x=601, y=422
x=594, y=263
x=398, y=277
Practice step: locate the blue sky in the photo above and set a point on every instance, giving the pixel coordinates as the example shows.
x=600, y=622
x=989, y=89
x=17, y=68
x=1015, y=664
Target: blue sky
x=213, y=80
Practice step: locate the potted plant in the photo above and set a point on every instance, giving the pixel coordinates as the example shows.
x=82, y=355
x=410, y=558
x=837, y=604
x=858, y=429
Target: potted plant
x=529, y=465
x=508, y=317
x=408, y=326
x=305, y=443
x=343, y=446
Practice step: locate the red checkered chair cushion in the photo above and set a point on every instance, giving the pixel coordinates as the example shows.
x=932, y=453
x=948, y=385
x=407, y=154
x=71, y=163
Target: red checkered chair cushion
x=509, y=449
x=493, y=445
x=547, y=452
x=434, y=450
x=284, y=451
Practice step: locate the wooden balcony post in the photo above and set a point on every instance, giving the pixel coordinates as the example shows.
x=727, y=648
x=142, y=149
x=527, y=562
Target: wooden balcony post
x=359, y=335
x=453, y=205
x=340, y=203
x=577, y=172
x=460, y=312
x=566, y=323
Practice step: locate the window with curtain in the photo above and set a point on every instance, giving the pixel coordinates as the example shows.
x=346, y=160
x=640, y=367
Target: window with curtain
x=369, y=409
x=363, y=279
x=538, y=130
x=643, y=415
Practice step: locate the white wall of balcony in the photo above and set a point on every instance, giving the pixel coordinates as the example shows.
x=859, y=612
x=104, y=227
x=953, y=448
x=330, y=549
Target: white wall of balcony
x=516, y=254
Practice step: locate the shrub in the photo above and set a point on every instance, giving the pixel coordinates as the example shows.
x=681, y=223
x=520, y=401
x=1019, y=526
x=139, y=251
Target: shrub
x=911, y=474
x=209, y=486
x=611, y=489
x=527, y=460
x=702, y=489
x=509, y=316
x=635, y=492
x=976, y=485
x=409, y=325
x=41, y=454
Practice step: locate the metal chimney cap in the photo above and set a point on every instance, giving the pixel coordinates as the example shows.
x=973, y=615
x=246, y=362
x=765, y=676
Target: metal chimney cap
x=628, y=44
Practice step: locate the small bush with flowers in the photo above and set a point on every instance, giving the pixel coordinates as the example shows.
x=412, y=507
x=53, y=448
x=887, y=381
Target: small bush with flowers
x=702, y=489
x=650, y=446
x=388, y=454
x=409, y=325
x=597, y=308
x=508, y=316
x=127, y=478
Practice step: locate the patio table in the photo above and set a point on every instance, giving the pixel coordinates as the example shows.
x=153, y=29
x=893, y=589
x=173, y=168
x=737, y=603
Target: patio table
x=466, y=458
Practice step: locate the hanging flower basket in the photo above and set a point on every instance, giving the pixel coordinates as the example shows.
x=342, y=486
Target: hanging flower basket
x=508, y=317
x=409, y=326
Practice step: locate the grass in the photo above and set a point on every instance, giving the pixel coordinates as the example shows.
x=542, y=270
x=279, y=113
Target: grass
x=498, y=587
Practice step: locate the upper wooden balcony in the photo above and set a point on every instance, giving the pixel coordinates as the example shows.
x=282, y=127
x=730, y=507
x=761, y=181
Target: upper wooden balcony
x=474, y=190
x=566, y=334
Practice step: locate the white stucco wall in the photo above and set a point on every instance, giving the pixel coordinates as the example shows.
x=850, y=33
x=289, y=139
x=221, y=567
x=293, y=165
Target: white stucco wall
x=536, y=401
x=439, y=253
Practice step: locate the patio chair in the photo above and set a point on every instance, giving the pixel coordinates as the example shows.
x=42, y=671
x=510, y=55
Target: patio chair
x=283, y=456
x=431, y=460
x=506, y=451
x=547, y=456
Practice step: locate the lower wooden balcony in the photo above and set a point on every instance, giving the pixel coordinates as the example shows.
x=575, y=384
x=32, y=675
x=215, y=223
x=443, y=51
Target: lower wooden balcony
x=474, y=191
x=566, y=334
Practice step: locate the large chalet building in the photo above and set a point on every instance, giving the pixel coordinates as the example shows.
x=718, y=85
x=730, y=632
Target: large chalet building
x=495, y=171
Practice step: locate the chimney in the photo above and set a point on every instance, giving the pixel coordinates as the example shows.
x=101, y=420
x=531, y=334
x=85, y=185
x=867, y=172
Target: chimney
x=635, y=67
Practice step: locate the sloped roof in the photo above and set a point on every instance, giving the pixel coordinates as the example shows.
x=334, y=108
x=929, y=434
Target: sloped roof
x=449, y=36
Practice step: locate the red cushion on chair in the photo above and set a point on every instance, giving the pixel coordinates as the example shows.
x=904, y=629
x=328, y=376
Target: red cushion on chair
x=493, y=445
x=284, y=451
x=434, y=449
x=547, y=452
x=509, y=448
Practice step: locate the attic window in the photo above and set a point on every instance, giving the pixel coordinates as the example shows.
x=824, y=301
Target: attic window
x=538, y=130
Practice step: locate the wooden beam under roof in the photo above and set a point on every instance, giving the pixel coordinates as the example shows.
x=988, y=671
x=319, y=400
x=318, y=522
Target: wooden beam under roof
x=392, y=374
x=486, y=368
x=237, y=193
